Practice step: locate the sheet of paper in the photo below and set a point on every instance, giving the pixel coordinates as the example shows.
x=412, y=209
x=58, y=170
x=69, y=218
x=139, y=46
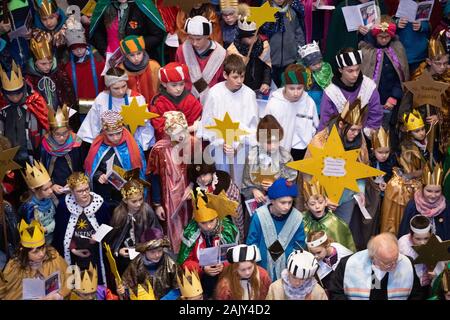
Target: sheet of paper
x=424, y=10
x=172, y=40
x=33, y=288
x=208, y=256
x=52, y=283
x=334, y=167
x=352, y=17
x=132, y=253
x=407, y=9
x=363, y=209
x=368, y=12
x=101, y=232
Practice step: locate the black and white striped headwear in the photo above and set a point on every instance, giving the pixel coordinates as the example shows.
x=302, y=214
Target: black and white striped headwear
x=348, y=59
x=302, y=264
x=198, y=26
x=243, y=252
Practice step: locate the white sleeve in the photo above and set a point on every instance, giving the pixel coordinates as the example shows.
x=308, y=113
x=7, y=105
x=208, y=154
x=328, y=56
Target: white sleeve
x=91, y=126
x=208, y=120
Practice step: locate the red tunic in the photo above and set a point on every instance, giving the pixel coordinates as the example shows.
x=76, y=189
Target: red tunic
x=189, y=106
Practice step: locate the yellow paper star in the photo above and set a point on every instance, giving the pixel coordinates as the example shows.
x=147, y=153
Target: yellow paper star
x=263, y=175
x=227, y=130
x=82, y=224
x=222, y=204
x=335, y=168
x=432, y=252
x=263, y=14
x=6, y=161
x=135, y=115
x=426, y=90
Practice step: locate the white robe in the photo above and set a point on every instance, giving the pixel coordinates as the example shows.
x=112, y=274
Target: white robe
x=299, y=120
x=241, y=106
x=91, y=126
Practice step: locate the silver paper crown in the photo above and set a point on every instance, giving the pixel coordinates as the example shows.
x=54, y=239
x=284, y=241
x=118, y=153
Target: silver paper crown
x=245, y=25
x=308, y=49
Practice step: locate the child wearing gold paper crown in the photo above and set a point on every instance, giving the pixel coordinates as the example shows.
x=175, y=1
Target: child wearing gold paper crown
x=266, y=161
x=189, y=285
x=142, y=71
x=48, y=17
x=60, y=149
x=429, y=202
x=207, y=229
x=86, y=286
x=382, y=157
x=319, y=217
x=39, y=204
x=34, y=259
x=130, y=220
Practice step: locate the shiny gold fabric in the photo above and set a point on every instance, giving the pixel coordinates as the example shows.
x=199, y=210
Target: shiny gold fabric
x=398, y=193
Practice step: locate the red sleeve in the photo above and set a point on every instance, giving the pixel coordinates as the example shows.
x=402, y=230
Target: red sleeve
x=191, y=261
x=265, y=283
x=192, y=109
x=160, y=106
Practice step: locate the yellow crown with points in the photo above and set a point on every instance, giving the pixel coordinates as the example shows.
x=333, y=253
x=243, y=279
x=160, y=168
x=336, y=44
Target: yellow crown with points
x=413, y=121
x=380, y=139
x=36, y=176
x=15, y=81
x=313, y=188
x=353, y=113
x=189, y=283
x=41, y=47
x=60, y=118
x=202, y=212
x=436, y=45
x=46, y=7
x=76, y=179
x=131, y=188
x=434, y=177
x=31, y=235
x=89, y=280
x=142, y=293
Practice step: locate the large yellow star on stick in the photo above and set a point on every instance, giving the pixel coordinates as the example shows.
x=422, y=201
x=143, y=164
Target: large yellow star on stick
x=426, y=90
x=135, y=115
x=227, y=130
x=222, y=204
x=6, y=161
x=335, y=168
x=263, y=14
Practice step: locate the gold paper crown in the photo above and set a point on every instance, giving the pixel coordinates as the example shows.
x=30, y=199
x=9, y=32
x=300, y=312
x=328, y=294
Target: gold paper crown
x=41, y=47
x=31, y=235
x=380, y=139
x=434, y=177
x=436, y=45
x=36, y=176
x=189, y=283
x=60, y=119
x=413, y=120
x=76, y=179
x=89, y=280
x=229, y=4
x=142, y=293
x=14, y=81
x=312, y=188
x=202, y=212
x=46, y=7
x=353, y=113
x=130, y=189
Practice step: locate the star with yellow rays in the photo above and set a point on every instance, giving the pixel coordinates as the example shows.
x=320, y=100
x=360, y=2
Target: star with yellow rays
x=263, y=175
x=6, y=161
x=432, y=252
x=262, y=14
x=227, y=130
x=426, y=90
x=135, y=115
x=82, y=224
x=335, y=168
x=222, y=204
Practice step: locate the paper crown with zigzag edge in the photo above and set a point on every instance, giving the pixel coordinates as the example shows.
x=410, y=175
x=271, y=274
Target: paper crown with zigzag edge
x=14, y=81
x=436, y=45
x=41, y=46
x=353, y=113
x=313, y=188
x=89, y=280
x=434, y=177
x=46, y=7
x=216, y=206
x=143, y=292
x=413, y=120
x=31, y=235
x=380, y=139
x=59, y=119
x=189, y=283
x=35, y=176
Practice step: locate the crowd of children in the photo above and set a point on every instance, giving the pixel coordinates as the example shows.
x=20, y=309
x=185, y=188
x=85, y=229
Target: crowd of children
x=200, y=201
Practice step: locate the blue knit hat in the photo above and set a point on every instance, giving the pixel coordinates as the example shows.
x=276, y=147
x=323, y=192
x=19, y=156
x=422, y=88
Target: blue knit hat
x=282, y=188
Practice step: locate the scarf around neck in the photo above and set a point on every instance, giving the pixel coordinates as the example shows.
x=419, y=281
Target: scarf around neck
x=338, y=82
x=426, y=208
x=60, y=150
x=299, y=293
x=129, y=66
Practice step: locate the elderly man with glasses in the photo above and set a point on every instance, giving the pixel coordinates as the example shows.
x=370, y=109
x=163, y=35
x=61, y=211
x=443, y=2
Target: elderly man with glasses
x=380, y=272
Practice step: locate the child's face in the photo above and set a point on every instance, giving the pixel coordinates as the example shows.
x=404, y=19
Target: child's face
x=154, y=255
x=420, y=239
x=136, y=57
x=134, y=203
x=230, y=17
x=44, y=65
x=245, y=269
x=349, y=75
x=51, y=21
x=15, y=97
x=200, y=43
x=316, y=67
x=381, y=154
x=282, y=205
x=234, y=80
x=438, y=66
x=60, y=135
x=79, y=51
x=319, y=252
x=118, y=89
x=316, y=205
x=114, y=137
x=383, y=38
x=432, y=192
x=294, y=281
x=37, y=255
x=208, y=226
x=353, y=132
x=175, y=89
x=45, y=191
x=293, y=92
x=419, y=134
